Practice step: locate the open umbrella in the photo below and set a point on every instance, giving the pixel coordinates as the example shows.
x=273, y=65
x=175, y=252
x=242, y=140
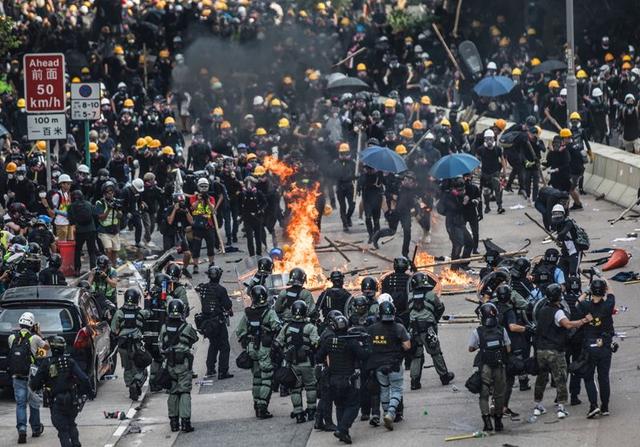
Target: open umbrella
x=333, y=77
x=548, y=66
x=383, y=159
x=348, y=85
x=493, y=86
x=454, y=165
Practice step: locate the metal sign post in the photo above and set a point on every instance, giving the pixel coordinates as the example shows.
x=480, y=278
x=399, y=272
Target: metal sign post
x=85, y=106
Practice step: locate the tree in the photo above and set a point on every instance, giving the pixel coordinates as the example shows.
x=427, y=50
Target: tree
x=8, y=37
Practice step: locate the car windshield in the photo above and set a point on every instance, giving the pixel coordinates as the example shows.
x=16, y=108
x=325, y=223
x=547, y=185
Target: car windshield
x=51, y=319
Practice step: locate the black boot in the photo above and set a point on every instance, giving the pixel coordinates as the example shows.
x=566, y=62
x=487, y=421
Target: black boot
x=497, y=423
x=263, y=413
x=447, y=378
x=300, y=418
x=175, y=424
x=524, y=385
x=186, y=425
x=133, y=392
x=224, y=375
x=344, y=437
x=284, y=391
x=415, y=384
x=487, y=423
x=311, y=414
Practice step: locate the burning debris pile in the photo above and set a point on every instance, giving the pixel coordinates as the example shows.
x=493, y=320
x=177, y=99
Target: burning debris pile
x=451, y=281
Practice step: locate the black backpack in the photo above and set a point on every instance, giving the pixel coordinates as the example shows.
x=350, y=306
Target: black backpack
x=20, y=355
x=83, y=213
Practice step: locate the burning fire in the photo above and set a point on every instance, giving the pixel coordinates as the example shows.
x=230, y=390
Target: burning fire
x=277, y=167
x=448, y=278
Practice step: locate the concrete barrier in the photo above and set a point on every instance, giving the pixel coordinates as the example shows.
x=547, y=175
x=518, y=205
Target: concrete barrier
x=614, y=172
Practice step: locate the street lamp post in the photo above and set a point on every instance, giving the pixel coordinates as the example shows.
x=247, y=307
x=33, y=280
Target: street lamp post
x=572, y=83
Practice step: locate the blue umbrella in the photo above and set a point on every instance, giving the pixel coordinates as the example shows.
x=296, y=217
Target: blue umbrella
x=454, y=165
x=383, y=159
x=493, y=86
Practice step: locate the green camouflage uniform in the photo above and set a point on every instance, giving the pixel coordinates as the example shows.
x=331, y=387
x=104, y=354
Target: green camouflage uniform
x=287, y=297
x=180, y=293
x=127, y=324
x=423, y=328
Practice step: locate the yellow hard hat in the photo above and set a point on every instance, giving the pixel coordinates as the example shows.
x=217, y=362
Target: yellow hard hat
x=303, y=14
x=140, y=143
x=21, y=103
x=118, y=50
x=406, y=133
x=260, y=132
x=553, y=84
x=155, y=144
x=41, y=145
x=259, y=171
x=169, y=120
x=401, y=149
x=531, y=31
x=516, y=72
x=504, y=42
x=465, y=127
x=626, y=66
x=225, y=125
x=495, y=32
x=167, y=150
x=608, y=57
x=565, y=133
x=500, y=124
x=251, y=156
x=390, y=103
x=85, y=70
x=93, y=147
x=283, y=123
x=626, y=58
x=345, y=21
x=321, y=6
x=575, y=116
x=163, y=54
x=445, y=122
x=425, y=100
x=148, y=139
x=11, y=167
x=535, y=61
x=206, y=12
x=361, y=67
x=128, y=103
x=314, y=75
x=581, y=74
x=344, y=147
x=75, y=80
x=218, y=111
x=417, y=125
x=275, y=102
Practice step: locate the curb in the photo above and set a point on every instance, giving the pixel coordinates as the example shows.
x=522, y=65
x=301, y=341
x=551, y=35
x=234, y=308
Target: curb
x=123, y=426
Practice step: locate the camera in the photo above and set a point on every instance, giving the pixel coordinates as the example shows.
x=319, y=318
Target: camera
x=116, y=204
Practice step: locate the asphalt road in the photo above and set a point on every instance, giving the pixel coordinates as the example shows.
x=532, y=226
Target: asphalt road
x=223, y=411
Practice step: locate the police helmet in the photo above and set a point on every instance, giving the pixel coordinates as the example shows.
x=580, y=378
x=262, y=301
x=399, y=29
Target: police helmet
x=551, y=255
x=400, y=264
x=18, y=240
x=332, y=314
x=103, y=262
x=175, y=309
x=489, y=315
x=34, y=248
x=174, y=271
x=337, y=278
x=420, y=280
x=503, y=293
x=299, y=310
x=574, y=285
x=161, y=279
x=214, y=273
x=57, y=344
x=259, y=296
x=598, y=287
x=554, y=292
x=360, y=303
x=369, y=286
x=55, y=261
x=265, y=265
x=387, y=311
x=132, y=297
x=339, y=323
x=297, y=277
x=493, y=258
x=541, y=276
x=520, y=268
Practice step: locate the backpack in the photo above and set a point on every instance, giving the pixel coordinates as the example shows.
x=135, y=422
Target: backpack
x=582, y=238
x=83, y=214
x=20, y=355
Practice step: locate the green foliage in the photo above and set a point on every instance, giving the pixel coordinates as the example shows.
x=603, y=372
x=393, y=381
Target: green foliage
x=8, y=38
x=402, y=21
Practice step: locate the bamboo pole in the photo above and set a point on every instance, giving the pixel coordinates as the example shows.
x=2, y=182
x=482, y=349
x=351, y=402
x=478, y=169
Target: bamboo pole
x=366, y=250
x=346, y=258
x=472, y=258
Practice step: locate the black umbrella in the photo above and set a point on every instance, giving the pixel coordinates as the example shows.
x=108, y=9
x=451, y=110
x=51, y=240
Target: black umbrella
x=548, y=66
x=348, y=85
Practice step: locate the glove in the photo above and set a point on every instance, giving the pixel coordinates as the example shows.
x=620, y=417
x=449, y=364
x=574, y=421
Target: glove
x=530, y=329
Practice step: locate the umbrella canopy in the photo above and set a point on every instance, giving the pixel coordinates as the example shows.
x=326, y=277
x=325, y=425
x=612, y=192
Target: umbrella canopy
x=348, y=85
x=333, y=77
x=493, y=86
x=383, y=159
x=454, y=165
x=548, y=66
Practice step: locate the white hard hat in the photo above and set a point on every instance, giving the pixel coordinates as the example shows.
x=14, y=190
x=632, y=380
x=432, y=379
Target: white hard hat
x=64, y=178
x=258, y=100
x=138, y=184
x=27, y=319
x=563, y=92
x=597, y=92
x=84, y=169
x=628, y=97
x=407, y=100
x=429, y=136
x=492, y=66
x=105, y=102
x=203, y=182
x=385, y=297
x=557, y=208
x=121, y=85
x=489, y=134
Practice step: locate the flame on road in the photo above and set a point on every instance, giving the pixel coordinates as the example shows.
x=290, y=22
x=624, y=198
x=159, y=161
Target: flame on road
x=449, y=279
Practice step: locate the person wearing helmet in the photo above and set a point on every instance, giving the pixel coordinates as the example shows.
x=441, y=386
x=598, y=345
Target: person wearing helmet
x=132, y=208
x=67, y=385
x=390, y=340
x=264, y=270
x=493, y=169
x=426, y=309
x=104, y=279
x=127, y=325
x=216, y=310
x=342, y=171
x=172, y=136
x=628, y=114
x=253, y=205
x=332, y=298
x=555, y=110
x=24, y=346
x=109, y=215
x=547, y=272
x=370, y=186
x=52, y=276
x=295, y=291
x=571, y=238
x=152, y=198
x=60, y=201
x=298, y=340
x=598, y=111
x=520, y=281
x=553, y=326
x=21, y=189
x=175, y=288
x=176, y=217
x=601, y=305
x=82, y=181
x=202, y=206
x=494, y=344
x=255, y=332
x=177, y=338
x=472, y=209
x=43, y=236
x=576, y=343
x=451, y=205
x=395, y=284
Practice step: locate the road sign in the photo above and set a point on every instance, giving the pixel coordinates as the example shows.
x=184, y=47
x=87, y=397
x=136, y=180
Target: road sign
x=44, y=82
x=85, y=101
x=47, y=126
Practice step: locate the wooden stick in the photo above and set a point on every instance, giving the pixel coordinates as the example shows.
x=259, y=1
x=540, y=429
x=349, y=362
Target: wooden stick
x=455, y=23
x=349, y=57
x=366, y=250
x=628, y=283
x=622, y=214
x=449, y=53
x=473, y=258
x=346, y=258
x=215, y=222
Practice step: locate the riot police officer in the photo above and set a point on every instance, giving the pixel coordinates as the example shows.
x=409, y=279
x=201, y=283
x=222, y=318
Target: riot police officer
x=156, y=304
x=216, y=307
x=293, y=293
x=519, y=280
x=389, y=340
x=369, y=288
x=256, y=331
x=494, y=345
x=333, y=298
x=343, y=354
x=64, y=383
x=175, y=341
x=175, y=288
x=547, y=270
x=395, y=284
x=298, y=340
x=426, y=311
x=265, y=268
x=127, y=325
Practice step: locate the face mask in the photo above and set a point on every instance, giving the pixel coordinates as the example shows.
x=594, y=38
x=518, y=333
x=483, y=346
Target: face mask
x=9, y=176
x=42, y=195
x=20, y=178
